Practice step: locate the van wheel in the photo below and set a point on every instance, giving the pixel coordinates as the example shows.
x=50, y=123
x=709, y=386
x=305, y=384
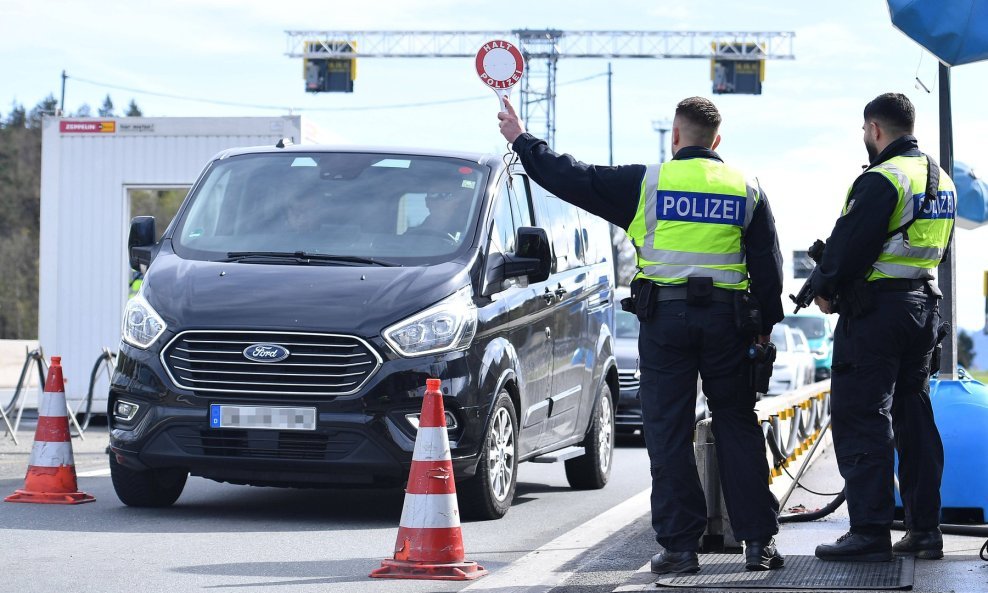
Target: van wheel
x=591, y=470
x=488, y=494
x=149, y=488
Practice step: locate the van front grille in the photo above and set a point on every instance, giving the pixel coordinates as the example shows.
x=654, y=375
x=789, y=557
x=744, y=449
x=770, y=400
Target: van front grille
x=316, y=364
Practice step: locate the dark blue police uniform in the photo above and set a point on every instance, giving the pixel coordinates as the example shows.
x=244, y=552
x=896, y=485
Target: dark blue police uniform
x=678, y=341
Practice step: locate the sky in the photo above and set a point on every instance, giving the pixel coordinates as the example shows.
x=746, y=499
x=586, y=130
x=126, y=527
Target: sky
x=801, y=137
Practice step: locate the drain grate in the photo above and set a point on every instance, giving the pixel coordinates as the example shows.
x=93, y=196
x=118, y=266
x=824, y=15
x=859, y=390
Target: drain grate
x=726, y=571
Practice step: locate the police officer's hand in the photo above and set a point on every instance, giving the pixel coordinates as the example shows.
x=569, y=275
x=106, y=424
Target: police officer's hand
x=511, y=126
x=824, y=304
x=763, y=339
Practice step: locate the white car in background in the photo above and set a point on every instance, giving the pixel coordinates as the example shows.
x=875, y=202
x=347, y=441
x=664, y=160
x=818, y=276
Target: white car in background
x=794, y=366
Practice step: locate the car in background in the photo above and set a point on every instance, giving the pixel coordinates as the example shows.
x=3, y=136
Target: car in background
x=628, y=417
x=794, y=366
x=820, y=334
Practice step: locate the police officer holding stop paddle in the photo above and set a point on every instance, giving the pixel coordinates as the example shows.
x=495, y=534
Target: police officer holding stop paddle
x=707, y=293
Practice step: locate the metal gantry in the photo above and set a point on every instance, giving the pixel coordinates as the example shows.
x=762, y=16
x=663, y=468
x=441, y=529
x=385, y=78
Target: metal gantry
x=542, y=49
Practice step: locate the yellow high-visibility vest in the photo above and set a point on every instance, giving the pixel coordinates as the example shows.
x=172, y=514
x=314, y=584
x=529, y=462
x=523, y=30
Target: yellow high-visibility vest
x=690, y=220
x=915, y=253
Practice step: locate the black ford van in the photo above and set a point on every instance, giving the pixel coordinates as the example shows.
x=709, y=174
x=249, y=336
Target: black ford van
x=292, y=311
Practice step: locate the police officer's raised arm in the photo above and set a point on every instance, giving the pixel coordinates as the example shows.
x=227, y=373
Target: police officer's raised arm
x=611, y=193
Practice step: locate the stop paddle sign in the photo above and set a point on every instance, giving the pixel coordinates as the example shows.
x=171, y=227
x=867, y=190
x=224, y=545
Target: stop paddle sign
x=500, y=66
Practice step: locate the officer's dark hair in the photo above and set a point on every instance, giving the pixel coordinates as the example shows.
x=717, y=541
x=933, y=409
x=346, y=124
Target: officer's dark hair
x=703, y=117
x=894, y=111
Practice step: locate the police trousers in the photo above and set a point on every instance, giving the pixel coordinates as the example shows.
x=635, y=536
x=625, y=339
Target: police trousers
x=880, y=401
x=679, y=341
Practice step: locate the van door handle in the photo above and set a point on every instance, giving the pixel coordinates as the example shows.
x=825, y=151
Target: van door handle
x=547, y=296
x=559, y=291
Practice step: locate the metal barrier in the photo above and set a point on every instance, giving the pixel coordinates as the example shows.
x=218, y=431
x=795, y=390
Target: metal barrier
x=105, y=362
x=19, y=398
x=793, y=425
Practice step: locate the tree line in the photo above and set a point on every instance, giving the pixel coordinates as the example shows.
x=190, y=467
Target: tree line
x=20, y=201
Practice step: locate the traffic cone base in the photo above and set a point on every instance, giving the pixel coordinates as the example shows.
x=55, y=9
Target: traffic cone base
x=51, y=475
x=429, y=543
x=452, y=571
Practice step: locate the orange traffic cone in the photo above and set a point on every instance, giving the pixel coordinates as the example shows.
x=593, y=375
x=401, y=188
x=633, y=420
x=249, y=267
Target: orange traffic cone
x=51, y=473
x=430, y=544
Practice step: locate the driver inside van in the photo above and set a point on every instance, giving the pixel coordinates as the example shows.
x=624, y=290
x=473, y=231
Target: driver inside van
x=447, y=212
x=303, y=212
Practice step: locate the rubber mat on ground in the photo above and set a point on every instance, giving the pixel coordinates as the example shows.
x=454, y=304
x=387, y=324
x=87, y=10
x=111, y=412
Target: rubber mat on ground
x=726, y=571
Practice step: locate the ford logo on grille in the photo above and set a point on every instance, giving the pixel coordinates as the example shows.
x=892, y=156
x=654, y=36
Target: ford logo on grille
x=266, y=353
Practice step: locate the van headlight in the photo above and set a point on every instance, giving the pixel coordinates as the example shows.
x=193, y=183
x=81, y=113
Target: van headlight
x=141, y=324
x=446, y=326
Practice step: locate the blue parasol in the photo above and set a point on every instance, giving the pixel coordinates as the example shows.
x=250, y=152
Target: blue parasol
x=972, y=197
x=955, y=31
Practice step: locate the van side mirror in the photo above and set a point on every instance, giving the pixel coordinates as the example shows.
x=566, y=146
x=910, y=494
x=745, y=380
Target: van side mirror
x=140, y=241
x=532, y=257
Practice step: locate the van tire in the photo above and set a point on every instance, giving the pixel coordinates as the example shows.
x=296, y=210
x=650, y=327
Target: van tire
x=149, y=488
x=488, y=494
x=591, y=470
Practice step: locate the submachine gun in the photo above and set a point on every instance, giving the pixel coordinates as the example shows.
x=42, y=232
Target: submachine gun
x=806, y=295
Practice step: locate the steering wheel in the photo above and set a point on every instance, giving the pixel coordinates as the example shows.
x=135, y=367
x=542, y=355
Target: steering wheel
x=443, y=235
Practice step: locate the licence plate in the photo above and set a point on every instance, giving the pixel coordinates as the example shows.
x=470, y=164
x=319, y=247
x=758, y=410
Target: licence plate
x=263, y=417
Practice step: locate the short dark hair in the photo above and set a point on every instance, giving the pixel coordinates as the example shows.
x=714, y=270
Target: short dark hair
x=894, y=111
x=703, y=117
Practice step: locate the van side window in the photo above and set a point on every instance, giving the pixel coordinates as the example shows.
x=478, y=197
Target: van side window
x=567, y=235
x=593, y=229
x=504, y=226
x=521, y=206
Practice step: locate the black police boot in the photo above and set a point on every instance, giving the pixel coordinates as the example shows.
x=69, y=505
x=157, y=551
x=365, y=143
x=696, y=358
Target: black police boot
x=921, y=544
x=761, y=554
x=666, y=561
x=857, y=547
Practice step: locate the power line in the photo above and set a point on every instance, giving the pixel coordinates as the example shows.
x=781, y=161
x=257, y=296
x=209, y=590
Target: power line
x=300, y=109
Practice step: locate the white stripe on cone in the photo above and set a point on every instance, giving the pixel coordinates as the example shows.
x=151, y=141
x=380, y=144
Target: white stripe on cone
x=431, y=444
x=52, y=404
x=429, y=511
x=51, y=454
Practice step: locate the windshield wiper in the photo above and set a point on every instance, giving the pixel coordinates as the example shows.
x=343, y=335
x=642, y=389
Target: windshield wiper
x=303, y=257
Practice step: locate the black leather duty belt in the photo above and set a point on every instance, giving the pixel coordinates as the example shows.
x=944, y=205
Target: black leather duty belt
x=899, y=284
x=678, y=293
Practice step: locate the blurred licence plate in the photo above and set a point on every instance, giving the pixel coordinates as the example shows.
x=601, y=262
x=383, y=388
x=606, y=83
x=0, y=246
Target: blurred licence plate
x=265, y=417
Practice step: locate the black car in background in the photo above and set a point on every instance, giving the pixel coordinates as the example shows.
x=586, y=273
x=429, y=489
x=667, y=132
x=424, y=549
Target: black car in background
x=629, y=412
x=292, y=311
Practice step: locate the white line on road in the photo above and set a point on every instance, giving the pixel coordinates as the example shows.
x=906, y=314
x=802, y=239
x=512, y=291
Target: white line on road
x=96, y=473
x=540, y=570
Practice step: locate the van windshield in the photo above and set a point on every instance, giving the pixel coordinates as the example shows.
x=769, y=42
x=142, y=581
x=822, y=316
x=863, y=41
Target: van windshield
x=397, y=208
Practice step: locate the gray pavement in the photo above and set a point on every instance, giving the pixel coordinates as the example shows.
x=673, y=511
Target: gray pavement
x=615, y=564
x=961, y=570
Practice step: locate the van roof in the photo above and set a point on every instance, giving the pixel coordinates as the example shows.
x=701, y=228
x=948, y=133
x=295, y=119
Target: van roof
x=494, y=161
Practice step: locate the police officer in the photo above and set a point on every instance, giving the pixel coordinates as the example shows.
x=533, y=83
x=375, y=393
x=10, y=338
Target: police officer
x=704, y=237
x=880, y=264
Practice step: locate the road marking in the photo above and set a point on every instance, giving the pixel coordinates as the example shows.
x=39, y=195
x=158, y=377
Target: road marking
x=541, y=570
x=95, y=473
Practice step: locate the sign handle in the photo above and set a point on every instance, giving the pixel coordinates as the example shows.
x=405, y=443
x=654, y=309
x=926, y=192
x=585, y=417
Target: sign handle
x=501, y=94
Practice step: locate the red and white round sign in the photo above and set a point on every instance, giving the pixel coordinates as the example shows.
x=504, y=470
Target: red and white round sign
x=499, y=64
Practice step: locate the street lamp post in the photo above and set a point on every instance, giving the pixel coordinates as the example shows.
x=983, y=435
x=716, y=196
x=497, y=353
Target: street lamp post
x=662, y=127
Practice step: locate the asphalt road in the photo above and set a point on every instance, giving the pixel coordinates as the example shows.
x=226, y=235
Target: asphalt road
x=220, y=536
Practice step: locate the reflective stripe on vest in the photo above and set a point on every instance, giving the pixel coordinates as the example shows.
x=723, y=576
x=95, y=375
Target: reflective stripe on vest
x=916, y=253
x=699, y=206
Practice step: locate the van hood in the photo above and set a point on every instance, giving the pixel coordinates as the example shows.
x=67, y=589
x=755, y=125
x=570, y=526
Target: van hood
x=193, y=294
